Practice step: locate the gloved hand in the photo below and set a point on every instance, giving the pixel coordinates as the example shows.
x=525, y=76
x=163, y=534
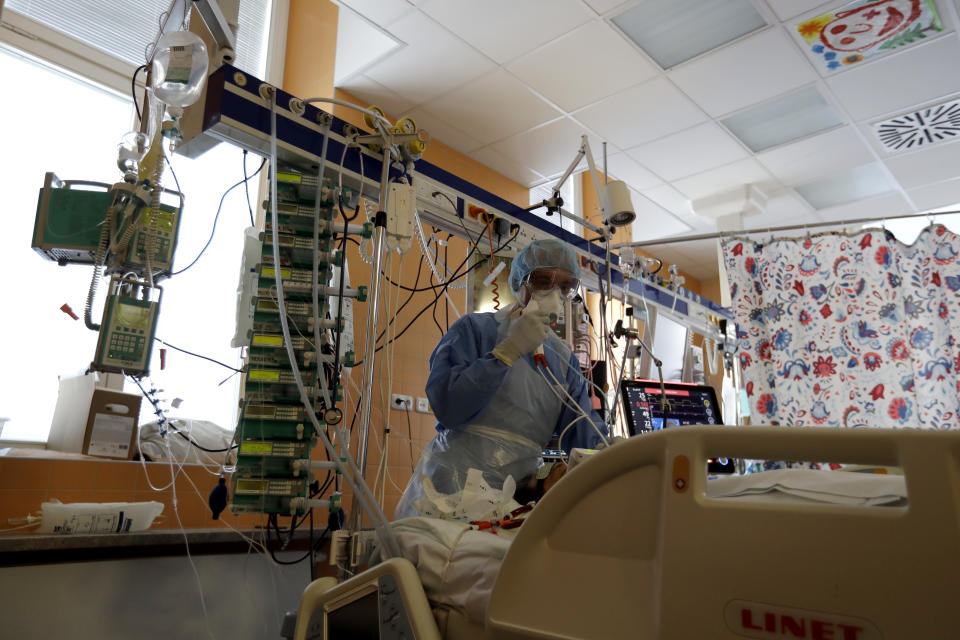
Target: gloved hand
x=525, y=334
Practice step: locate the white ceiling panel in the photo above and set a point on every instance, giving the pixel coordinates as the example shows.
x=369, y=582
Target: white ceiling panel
x=584, y=66
x=783, y=207
x=372, y=92
x=476, y=107
x=603, y=6
x=819, y=155
x=897, y=82
x=505, y=29
x=786, y=9
x=381, y=12
x=642, y=113
x=549, y=149
x=689, y=152
x=933, y=164
x=726, y=178
x=443, y=132
x=350, y=59
x=654, y=222
x=671, y=200
x=751, y=70
x=622, y=167
x=878, y=208
x=507, y=166
x=403, y=71
x=939, y=194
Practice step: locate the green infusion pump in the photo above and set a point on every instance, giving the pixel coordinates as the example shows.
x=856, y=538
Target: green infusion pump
x=127, y=330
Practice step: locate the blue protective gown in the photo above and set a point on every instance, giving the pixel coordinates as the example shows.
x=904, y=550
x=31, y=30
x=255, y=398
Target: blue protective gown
x=491, y=416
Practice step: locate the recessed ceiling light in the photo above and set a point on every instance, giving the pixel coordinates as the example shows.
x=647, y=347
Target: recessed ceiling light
x=673, y=31
x=783, y=119
x=861, y=182
x=922, y=128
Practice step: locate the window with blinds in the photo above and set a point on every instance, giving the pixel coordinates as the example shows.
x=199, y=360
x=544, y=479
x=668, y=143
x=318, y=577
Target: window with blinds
x=124, y=29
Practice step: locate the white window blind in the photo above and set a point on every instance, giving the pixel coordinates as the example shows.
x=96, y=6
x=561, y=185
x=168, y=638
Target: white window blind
x=123, y=29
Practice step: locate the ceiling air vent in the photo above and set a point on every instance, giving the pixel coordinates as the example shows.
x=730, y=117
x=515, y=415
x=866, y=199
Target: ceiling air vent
x=926, y=127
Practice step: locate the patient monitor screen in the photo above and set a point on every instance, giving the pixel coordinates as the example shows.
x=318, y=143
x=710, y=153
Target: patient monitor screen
x=358, y=620
x=689, y=404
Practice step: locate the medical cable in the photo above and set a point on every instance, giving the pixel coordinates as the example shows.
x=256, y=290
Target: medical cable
x=564, y=432
x=315, y=281
x=186, y=541
x=197, y=355
x=365, y=498
x=424, y=309
x=246, y=188
x=217, y=217
x=573, y=402
x=425, y=247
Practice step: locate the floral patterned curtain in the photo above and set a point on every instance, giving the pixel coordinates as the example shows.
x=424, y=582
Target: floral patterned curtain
x=859, y=330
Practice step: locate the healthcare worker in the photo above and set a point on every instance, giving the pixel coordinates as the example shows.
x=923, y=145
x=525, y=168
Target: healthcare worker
x=495, y=410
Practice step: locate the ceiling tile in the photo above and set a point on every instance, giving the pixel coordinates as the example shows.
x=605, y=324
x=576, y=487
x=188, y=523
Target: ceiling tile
x=350, y=59
x=381, y=12
x=603, y=6
x=584, y=66
x=887, y=205
x=936, y=195
x=505, y=29
x=899, y=81
x=641, y=113
x=756, y=68
x=653, y=221
x=783, y=207
x=819, y=155
x=786, y=9
x=727, y=178
x=440, y=131
x=372, y=92
x=689, y=152
x=622, y=167
x=507, y=166
x=859, y=183
x=670, y=199
x=429, y=46
x=933, y=164
x=549, y=149
x=478, y=107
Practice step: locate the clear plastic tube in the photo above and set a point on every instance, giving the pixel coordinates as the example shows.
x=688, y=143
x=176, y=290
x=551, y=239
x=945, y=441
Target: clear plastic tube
x=388, y=541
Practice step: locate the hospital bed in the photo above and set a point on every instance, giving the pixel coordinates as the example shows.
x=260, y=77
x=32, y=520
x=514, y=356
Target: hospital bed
x=629, y=544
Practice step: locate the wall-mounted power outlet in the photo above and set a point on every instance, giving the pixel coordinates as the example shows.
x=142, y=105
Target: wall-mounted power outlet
x=423, y=405
x=401, y=402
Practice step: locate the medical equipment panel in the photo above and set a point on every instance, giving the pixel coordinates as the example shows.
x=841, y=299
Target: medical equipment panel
x=129, y=322
x=385, y=602
x=686, y=404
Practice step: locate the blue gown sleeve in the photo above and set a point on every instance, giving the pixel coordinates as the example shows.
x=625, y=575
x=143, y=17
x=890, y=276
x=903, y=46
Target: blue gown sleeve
x=581, y=435
x=464, y=375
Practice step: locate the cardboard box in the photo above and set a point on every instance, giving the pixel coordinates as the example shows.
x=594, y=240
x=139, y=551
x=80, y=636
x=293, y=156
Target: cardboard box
x=94, y=421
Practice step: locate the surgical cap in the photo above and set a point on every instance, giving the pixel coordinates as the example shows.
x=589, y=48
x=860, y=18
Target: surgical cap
x=541, y=254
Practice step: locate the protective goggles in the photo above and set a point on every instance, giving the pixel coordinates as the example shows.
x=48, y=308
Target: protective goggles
x=543, y=280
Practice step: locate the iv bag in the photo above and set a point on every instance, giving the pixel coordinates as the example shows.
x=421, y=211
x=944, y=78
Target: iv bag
x=179, y=68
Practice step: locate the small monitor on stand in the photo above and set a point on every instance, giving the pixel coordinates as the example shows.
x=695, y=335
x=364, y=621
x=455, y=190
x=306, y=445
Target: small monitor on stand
x=687, y=404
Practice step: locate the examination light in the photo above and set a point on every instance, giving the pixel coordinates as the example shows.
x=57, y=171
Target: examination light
x=614, y=196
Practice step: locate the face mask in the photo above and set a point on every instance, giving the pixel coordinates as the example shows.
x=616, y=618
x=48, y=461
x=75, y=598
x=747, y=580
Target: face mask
x=549, y=301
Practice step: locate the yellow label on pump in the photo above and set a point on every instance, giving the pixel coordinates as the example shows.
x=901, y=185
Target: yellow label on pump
x=267, y=341
x=270, y=272
x=256, y=447
x=261, y=374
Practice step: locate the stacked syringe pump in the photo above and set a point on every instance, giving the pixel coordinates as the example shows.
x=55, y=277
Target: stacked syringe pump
x=275, y=435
